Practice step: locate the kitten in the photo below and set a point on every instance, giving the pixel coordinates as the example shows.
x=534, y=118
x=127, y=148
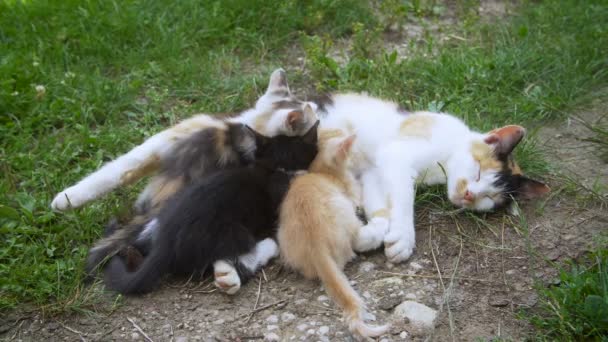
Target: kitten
x=319, y=230
x=226, y=146
x=219, y=218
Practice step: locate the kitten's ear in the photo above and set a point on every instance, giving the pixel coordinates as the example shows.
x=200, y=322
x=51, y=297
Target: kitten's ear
x=312, y=136
x=278, y=83
x=294, y=119
x=530, y=188
x=505, y=139
x=298, y=119
x=345, y=146
x=260, y=140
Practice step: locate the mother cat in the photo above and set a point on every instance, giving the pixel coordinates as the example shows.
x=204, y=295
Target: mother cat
x=393, y=151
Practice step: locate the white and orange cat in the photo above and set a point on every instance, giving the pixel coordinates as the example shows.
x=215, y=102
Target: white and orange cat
x=319, y=231
x=393, y=151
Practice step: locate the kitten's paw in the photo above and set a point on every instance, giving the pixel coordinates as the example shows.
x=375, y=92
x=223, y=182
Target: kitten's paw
x=68, y=199
x=372, y=234
x=227, y=279
x=398, y=245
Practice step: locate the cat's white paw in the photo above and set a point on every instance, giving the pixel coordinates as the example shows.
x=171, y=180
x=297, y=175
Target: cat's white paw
x=227, y=279
x=399, y=245
x=68, y=199
x=372, y=234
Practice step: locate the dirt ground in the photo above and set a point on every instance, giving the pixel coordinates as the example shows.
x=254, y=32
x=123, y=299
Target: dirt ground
x=477, y=274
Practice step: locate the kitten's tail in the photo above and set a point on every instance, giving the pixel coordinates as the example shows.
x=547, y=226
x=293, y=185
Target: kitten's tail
x=346, y=297
x=144, y=279
x=116, y=238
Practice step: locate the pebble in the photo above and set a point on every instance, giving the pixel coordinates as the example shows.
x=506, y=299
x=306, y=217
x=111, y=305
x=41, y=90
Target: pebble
x=272, y=327
x=271, y=337
x=310, y=332
x=219, y=321
x=300, y=301
x=322, y=298
x=418, y=314
x=403, y=335
x=302, y=327
x=272, y=319
x=498, y=301
x=181, y=339
x=410, y=296
x=366, y=267
x=323, y=330
x=135, y=336
x=287, y=317
x=367, y=295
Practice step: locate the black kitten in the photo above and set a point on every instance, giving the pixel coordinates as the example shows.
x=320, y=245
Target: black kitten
x=221, y=217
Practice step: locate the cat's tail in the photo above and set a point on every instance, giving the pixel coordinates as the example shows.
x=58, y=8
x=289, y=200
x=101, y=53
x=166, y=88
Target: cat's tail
x=116, y=239
x=144, y=279
x=346, y=297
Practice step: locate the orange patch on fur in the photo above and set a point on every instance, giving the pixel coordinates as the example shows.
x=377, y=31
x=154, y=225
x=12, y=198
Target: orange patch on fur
x=484, y=154
x=147, y=167
x=418, y=125
x=165, y=188
x=461, y=187
x=381, y=213
x=260, y=122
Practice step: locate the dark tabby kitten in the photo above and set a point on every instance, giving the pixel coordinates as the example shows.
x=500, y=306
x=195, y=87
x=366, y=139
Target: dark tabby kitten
x=220, y=217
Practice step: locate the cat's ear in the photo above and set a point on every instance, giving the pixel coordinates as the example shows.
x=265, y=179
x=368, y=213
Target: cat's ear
x=345, y=146
x=530, y=188
x=505, y=139
x=298, y=119
x=278, y=83
x=260, y=140
x=312, y=136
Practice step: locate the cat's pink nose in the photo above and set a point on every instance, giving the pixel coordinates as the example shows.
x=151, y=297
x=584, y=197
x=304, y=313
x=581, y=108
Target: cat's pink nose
x=468, y=196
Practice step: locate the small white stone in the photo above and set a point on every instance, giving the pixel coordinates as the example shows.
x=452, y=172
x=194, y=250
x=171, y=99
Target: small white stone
x=300, y=301
x=415, y=266
x=218, y=322
x=366, y=267
x=322, y=298
x=419, y=314
x=310, y=332
x=410, y=296
x=272, y=319
x=135, y=336
x=367, y=295
x=302, y=327
x=287, y=317
x=272, y=327
x=323, y=330
x=271, y=337
x=403, y=335
x=384, y=340
x=181, y=339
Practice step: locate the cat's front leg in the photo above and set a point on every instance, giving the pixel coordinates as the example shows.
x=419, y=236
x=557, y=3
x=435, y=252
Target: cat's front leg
x=230, y=275
x=372, y=234
x=399, y=182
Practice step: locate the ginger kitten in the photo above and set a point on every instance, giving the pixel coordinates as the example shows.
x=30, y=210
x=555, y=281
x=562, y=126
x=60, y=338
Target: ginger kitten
x=319, y=230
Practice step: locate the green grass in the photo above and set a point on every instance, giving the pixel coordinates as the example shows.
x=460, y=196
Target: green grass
x=577, y=308
x=117, y=72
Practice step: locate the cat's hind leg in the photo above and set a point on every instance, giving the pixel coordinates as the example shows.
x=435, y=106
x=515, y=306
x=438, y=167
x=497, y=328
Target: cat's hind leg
x=229, y=276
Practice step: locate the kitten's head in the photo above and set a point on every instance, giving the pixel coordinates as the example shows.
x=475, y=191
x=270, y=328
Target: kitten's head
x=289, y=153
x=334, y=151
x=278, y=111
x=483, y=175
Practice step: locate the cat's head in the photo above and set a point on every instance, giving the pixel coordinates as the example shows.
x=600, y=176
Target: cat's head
x=278, y=111
x=484, y=176
x=334, y=151
x=289, y=153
